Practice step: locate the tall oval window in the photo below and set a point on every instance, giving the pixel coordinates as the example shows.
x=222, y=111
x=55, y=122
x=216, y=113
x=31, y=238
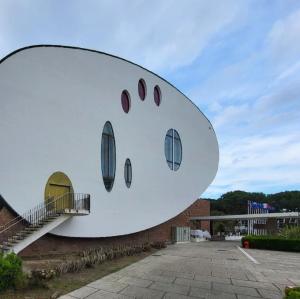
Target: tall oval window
x=173, y=149
x=142, y=89
x=125, y=100
x=128, y=173
x=108, y=156
x=157, y=95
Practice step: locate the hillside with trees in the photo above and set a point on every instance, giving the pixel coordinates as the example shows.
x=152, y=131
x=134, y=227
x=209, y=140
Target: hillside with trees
x=235, y=202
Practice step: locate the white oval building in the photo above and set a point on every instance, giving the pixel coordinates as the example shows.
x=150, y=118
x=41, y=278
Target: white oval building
x=89, y=122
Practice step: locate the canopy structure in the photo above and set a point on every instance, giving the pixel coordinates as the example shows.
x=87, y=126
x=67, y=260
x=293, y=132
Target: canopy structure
x=249, y=216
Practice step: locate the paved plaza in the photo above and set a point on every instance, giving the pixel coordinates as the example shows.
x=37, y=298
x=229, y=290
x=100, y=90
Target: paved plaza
x=200, y=270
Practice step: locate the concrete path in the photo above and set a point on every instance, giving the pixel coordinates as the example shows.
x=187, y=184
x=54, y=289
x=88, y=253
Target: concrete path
x=199, y=270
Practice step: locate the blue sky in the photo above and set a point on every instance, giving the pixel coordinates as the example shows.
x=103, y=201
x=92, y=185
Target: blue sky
x=239, y=61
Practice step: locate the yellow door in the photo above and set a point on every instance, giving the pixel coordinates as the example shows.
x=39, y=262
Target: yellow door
x=59, y=191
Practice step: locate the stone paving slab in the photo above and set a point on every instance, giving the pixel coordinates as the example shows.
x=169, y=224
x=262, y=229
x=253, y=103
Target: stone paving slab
x=194, y=283
x=276, y=294
x=206, y=270
x=158, y=278
x=178, y=274
x=143, y=293
x=226, y=288
x=136, y=281
x=204, y=293
x=246, y=297
x=210, y=279
x=177, y=296
x=170, y=287
x=254, y=284
x=114, y=287
x=83, y=292
x=100, y=294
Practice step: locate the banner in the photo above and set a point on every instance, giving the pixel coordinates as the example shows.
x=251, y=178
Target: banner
x=258, y=205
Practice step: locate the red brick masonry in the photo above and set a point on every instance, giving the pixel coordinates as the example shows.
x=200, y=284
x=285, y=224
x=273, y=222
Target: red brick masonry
x=51, y=244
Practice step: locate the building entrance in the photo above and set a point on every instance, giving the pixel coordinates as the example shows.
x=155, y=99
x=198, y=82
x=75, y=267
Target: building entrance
x=59, y=191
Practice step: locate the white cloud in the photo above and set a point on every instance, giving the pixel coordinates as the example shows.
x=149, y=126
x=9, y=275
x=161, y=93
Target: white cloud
x=283, y=39
x=159, y=35
x=258, y=162
x=231, y=115
x=259, y=139
x=288, y=73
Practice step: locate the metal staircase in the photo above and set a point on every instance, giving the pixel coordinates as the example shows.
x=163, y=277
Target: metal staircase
x=23, y=230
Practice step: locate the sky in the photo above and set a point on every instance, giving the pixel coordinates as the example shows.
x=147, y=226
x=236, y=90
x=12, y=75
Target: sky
x=238, y=61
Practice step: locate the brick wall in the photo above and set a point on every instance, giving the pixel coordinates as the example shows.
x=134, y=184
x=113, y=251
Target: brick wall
x=7, y=215
x=51, y=244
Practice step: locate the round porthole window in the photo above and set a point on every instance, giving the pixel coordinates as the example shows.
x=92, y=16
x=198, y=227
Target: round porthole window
x=157, y=95
x=142, y=89
x=128, y=173
x=173, y=149
x=108, y=156
x=125, y=100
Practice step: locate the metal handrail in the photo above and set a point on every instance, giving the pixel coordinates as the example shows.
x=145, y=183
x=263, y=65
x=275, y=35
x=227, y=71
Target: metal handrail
x=3, y=227
x=57, y=206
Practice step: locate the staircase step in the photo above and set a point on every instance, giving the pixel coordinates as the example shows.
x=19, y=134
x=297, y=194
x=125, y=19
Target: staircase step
x=4, y=248
x=51, y=218
x=23, y=234
x=29, y=229
x=26, y=232
x=31, y=233
x=13, y=240
x=47, y=221
x=37, y=226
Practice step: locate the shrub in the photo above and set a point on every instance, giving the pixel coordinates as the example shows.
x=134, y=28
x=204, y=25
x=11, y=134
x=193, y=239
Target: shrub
x=293, y=293
x=273, y=243
x=11, y=274
x=159, y=245
x=290, y=232
x=94, y=256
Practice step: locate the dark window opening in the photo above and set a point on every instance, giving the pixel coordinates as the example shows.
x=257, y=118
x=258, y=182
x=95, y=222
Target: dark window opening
x=157, y=95
x=142, y=89
x=173, y=149
x=108, y=156
x=128, y=173
x=125, y=100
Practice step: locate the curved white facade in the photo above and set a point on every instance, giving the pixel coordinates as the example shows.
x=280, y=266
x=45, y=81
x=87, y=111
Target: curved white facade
x=54, y=104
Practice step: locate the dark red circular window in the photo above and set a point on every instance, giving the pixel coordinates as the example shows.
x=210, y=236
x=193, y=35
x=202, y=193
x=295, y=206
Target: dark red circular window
x=157, y=95
x=125, y=99
x=142, y=89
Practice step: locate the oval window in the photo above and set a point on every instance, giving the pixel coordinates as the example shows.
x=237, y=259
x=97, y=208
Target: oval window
x=108, y=156
x=157, y=95
x=173, y=149
x=128, y=173
x=125, y=100
x=142, y=89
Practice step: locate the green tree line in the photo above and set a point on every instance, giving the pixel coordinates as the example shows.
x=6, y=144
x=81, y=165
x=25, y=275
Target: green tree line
x=235, y=202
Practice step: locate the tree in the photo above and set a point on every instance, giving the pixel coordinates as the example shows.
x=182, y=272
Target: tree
x=236, y=202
